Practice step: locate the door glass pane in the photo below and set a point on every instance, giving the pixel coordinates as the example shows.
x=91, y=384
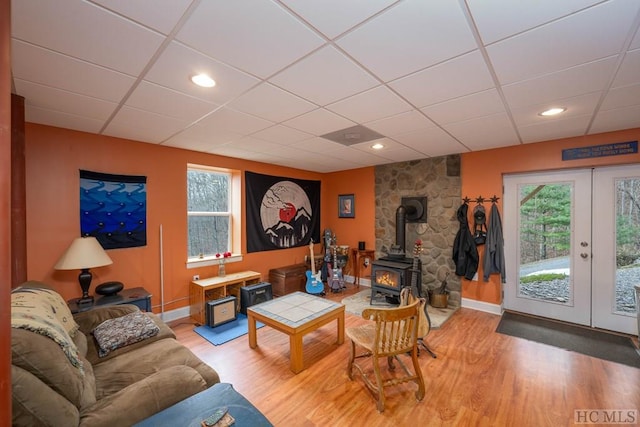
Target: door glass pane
x=545, y=242
x=627, y=243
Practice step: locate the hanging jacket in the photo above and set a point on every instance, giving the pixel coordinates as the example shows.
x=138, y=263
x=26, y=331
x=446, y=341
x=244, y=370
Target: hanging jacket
x=494, y=247
x=465, y=251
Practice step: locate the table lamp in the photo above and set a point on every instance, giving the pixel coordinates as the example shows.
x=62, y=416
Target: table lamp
x=84, y=253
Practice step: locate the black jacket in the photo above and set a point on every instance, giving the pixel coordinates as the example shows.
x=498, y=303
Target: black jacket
x=465, y=252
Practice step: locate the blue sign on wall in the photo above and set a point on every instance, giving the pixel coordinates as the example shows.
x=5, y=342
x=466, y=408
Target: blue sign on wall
x=604, y=150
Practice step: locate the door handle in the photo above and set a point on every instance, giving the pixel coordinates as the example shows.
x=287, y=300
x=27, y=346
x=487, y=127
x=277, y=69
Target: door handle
x=584, y=244
x=584, y=255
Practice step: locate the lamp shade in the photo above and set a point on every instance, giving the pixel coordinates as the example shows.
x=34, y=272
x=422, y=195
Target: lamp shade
x=84, y=252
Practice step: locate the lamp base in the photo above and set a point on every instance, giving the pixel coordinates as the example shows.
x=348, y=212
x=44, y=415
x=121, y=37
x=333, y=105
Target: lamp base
x=88, y=300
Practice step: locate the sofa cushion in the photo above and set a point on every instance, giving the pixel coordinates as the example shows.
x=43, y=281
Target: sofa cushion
x=133, y=366
x=43, y=358
x=115, y=333
x=151, y=395
x=35, y=404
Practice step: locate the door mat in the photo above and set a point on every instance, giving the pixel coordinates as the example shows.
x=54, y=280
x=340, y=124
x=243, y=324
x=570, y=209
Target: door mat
x=356, y=303
x=226, y=332
x=590, y=342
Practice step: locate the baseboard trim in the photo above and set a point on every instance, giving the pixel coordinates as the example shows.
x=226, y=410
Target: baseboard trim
x=179, y=313
x=482, y=306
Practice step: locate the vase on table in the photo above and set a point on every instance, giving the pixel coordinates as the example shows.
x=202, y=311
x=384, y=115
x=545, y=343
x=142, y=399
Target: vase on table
x=221, y=271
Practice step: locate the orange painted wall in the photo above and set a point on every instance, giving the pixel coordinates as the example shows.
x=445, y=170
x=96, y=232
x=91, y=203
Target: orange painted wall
x=360, y=183
x=482, y=172
x=54, y=157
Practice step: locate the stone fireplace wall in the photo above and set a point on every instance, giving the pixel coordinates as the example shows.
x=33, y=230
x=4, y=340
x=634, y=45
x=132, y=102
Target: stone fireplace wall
x=438, y=179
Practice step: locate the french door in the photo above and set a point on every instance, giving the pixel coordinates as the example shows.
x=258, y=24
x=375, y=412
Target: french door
x=572, y=245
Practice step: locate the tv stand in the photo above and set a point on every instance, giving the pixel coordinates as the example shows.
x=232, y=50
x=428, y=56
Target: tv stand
x=204, y=290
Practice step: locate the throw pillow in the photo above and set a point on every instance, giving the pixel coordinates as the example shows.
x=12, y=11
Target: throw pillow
x=115, y=333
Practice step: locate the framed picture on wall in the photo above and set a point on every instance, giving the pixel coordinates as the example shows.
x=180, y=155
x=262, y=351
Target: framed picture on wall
x=346, y=206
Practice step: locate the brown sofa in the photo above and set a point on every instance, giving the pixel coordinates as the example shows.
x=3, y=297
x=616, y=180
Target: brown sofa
x=54, y=384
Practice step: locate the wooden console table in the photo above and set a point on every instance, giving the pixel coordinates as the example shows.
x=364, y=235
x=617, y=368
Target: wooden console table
x=203, y=290
x=357, y=255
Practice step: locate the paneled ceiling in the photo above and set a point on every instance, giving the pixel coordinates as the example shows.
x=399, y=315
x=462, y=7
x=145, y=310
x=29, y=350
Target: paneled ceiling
x=432, y=77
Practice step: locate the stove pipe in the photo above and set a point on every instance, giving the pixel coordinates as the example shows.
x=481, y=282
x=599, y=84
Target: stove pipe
x=401, y=214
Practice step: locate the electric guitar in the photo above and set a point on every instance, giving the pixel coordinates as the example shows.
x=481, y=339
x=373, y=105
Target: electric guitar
x=424, y=322
x=336, y=280
x=314, y=283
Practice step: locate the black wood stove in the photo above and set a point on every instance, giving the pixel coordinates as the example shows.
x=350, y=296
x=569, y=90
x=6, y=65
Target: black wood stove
x=395, y=271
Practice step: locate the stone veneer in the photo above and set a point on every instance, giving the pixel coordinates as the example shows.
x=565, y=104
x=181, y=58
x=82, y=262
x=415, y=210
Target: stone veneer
x=438, y=179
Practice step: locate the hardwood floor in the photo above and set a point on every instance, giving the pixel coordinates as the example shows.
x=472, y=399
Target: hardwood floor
x=480, y=378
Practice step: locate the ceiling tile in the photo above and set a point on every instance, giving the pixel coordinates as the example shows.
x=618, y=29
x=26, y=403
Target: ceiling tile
x=617, y=119
x=260, y=38
x=318, y=122
x=55, y=118
x=104, y=34
x=583, y=105
x=458, y=77
x=235, y=121
x=317, y=145
x=485, y=132
x=497, y=19
x=282, y=135
x=324, y=77
x=96, y=82
x=254, y=144
x=408, y=37
x=573, y=39
x=563, y=127
x=564, y=84
x=178, y=63
x=626, y=96
x=466, y=107
x=371, y=105
x=143, y=126
x=272, y=103
x=161, y=15
x=323, y=17
x=629, y=71
x=157, y=99
x=49, y=98
x=432, y=142
x=401, y=154
x=201, y=138
x=401, y=123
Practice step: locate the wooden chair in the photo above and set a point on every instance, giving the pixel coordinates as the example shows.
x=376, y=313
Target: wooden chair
x=393, y=333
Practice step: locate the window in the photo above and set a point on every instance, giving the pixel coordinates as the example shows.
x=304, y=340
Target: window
x=209, y=212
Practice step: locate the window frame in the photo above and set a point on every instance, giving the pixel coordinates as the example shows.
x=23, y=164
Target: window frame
x=232, y=214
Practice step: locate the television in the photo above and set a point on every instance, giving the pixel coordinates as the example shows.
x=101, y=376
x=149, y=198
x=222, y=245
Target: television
x=254, y=294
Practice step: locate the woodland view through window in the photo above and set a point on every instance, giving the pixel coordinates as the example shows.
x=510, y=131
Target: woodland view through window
x=208, y=212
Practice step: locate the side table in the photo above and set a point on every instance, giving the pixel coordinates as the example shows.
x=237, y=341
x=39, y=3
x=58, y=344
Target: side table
x=357, y=255
x=136, y=296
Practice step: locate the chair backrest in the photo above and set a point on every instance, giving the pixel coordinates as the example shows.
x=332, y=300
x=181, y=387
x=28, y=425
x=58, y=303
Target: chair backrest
x=396, y=328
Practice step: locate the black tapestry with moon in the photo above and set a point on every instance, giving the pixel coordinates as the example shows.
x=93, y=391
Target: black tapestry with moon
x=281, y=212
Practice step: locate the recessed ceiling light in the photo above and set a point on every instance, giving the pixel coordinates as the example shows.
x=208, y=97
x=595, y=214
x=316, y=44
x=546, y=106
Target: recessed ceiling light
x=377, y=146
x=203, y=80
x=553, y=111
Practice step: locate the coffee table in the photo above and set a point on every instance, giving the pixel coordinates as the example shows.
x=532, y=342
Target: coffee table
x=295, y=314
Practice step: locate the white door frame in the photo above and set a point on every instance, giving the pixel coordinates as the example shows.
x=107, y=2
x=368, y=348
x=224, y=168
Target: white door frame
x=578, y=308
x=604, y=311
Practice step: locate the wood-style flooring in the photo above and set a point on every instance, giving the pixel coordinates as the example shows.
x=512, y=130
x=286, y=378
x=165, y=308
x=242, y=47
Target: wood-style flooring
x=480, y=378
